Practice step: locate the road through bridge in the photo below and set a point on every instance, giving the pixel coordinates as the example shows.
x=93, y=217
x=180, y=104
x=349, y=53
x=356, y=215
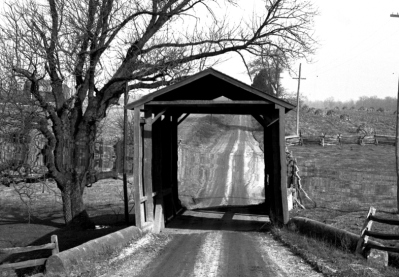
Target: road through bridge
x=224, y=230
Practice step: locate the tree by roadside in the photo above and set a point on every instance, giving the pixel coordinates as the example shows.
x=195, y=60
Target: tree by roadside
x=266, y=70
x=101, y=48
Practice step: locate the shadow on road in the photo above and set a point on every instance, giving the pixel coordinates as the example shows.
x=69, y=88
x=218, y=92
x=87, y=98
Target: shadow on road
x=227, y=218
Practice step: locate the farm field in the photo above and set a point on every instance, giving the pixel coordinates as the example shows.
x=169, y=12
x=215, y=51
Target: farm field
x=314, y=125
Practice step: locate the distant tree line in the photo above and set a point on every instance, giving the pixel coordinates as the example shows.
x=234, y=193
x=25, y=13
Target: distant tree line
x=387, y=103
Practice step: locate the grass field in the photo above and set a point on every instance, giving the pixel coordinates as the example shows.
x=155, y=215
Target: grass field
x=344, y=181
x=312, y=125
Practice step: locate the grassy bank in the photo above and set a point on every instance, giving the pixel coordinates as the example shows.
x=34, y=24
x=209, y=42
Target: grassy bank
x=329, y=259
x=34, y=220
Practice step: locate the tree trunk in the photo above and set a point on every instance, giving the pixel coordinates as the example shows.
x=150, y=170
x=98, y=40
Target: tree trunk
x=75, y=157
x=75, y=213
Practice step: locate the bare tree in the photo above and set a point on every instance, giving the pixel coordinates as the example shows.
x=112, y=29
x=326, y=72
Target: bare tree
x=97, y=47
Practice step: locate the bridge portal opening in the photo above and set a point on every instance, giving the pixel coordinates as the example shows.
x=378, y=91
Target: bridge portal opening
x=158, y=155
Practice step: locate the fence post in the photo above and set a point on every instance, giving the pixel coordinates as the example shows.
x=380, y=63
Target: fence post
x=56, y=250
x=366, y=226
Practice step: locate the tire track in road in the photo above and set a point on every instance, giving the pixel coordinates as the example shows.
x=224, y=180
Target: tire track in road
x=243, y=257
x=176, y=259
x=208, y=258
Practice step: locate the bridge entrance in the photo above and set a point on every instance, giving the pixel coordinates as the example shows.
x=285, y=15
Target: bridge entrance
x=156, y=120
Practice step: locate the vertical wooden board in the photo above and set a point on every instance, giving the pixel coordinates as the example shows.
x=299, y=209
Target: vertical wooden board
x=147, y=165
x=142, y=214
x=170, y=164
x=283, y=165
x=166, y=154
x=174, y=162
x=137, y=173
x=159, y=220
x=275, y=191
x=156, y=156
x=280, y=205
x=268, y=160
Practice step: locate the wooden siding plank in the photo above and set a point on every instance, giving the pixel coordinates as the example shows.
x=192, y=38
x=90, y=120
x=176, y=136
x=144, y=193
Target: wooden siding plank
x=283, y=166
x=207, y=103
x=147, y=165
x=268, y=160
x=137, y=172
x=174, y=162
x=278, y=176
x=159, y=220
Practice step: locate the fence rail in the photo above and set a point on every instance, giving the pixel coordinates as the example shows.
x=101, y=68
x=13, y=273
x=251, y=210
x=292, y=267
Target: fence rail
x=53, y=246
x=363, y=245
x=325, y=140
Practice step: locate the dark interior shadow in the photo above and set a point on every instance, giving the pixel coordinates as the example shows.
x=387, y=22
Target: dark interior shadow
x=260, y=209
x=251, y=218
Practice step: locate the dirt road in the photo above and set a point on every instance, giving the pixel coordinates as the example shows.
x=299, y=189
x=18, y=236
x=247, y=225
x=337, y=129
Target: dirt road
x=230, y=171
x=190, y=246
x=223, y=241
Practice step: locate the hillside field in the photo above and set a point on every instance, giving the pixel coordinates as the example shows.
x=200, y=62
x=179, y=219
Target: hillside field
x=312, y=124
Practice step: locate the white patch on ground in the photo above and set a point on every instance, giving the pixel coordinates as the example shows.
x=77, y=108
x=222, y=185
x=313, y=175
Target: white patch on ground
x=288, y=263
x=137, y=256
x=208, y=257
x=133, y=247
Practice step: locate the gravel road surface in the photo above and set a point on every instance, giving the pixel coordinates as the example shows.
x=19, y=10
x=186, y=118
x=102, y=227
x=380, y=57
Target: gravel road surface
x=207, y=243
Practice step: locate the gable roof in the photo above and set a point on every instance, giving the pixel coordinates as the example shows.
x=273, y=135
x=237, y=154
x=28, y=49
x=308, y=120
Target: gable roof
x=209, y=85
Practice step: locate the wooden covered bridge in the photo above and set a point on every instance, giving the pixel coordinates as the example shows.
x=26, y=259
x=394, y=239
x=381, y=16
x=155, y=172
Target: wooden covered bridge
x=156, y=119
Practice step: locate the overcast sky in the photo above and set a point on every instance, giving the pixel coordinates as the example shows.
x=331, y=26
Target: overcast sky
x=358, y=53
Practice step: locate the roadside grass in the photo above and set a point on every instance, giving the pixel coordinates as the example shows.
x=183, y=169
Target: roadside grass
x=330, y=259
x=104, y=205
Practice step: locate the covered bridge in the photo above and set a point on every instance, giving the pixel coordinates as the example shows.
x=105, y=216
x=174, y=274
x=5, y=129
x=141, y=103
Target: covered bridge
x=156, y=119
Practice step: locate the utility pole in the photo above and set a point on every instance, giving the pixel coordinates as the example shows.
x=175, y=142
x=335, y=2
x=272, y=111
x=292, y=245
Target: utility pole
x=297, y=99
x=397, y=142
x=125, y=138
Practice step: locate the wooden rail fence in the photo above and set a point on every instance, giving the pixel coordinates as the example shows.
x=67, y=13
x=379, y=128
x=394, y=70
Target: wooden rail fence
x=363, y=245
x=340, y=139
x=53, y=246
